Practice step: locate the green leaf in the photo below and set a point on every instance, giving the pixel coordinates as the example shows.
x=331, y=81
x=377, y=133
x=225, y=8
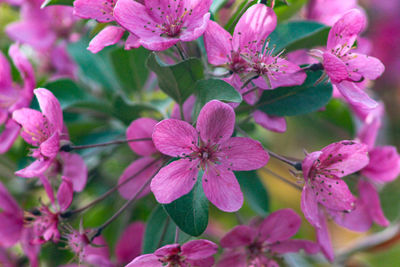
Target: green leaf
x=299, y=35
x=339, y=114
x=296, y=100
x=128, y=67
x=254, y=191
x=207, y=90
x=67, y=92
x=190, y=212
x=285, y=12
x=177, y=80
x=57, y=2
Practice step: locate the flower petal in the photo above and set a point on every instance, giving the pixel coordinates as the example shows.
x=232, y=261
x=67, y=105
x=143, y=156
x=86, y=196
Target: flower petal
x=239, y=236
x=222, y=189
x=279, y=226
x=369, y=67
x=199, y=249
x=216, y=122
x=65, y=194
x=243, y=154
x=384, y=164
x=324, y=238
x=174, y=137
x=218, y=44
x=108, y=36
x=293, y=246
x=50, y=147
x=269, y=122
x=8, y=135
x=355, y=96
x=102, y=11
x=32, y=122
x=357, y=220
x=35, y=169
x=138, y=129
x=174, y=180
x=370, y=197
x=75, y=169
x=146, y=260
x=132, y=42
x=50, y=107
x=233, y=258
x=129, y=244
x=309, y=206
x=143, y=169
x=25, y=69
x=335, y=68
x=10, y=229
x=5, y=73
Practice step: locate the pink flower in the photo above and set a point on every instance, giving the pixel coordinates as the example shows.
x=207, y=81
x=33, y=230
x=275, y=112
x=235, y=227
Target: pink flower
x=42, y=130
x=129, y=245
x=327, y=11
x=256, y=247
x=345, y=68
x=13, y=96
x=143, y=168
x=193, y=253
x=161, y=24
x=210, y=147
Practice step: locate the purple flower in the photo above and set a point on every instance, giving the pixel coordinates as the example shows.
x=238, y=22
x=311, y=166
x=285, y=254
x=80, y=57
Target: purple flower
x=247, y=246
x=210, y=147
x=193, y=253
x=161, y=24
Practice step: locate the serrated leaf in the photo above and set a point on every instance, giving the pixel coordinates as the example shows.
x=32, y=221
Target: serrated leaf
x=57, y=2
x=190, y=212
x=254, y=191
x=177, y=80
x=296, y=100
x=207, y=90
x=296, y=35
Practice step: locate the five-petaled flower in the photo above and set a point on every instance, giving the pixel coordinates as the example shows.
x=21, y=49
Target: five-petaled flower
x=209, y=147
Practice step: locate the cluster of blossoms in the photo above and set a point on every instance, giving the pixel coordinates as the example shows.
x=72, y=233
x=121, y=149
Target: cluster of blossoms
x=199, y=143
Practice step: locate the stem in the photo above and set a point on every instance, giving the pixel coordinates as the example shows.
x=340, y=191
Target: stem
x=294, y=164
x=314, y=67
x=121, y=210
x=106, y=194
x=68, y=147
x=181, y=112
x=176, y=235
x=251, y=90
x=282, y=178
x=249, y=81
x=181, y=51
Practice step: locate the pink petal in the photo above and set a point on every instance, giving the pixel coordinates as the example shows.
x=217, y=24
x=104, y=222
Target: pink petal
x=308, y=163
x=50, y=107
x=65, y=194
x=279, y=226
x=32, y=121
x=335, y=68
x=11, y=228
x=370, y=197
x=174, y=180
x=101, y=11
x=138, y=129
x=357, y=220
x=108, y=36
x=369, y=67
x=218, y=44
x=98, y=255
x=135, y=18
x=370, y=129
x=384, y=164
x=232, y=258
x=292, y=246
x=195, y=25
x=8, y=203
x=215, y=122
x=51, y=146
x=327, y=11
x=174, y=137
x=188, y=106
x=5, y=72
x=344, y=32
x=269, y=122
x=206, y=262
x=309, y=206
x=35, y=169
x=146, y=260
x=75, y=169
x=242, y=154
x=344, y=158
x=324, y=238
x=255, y=25
x=50, y=193
x=199, y=249
x=355, y=96
x=8, y=135
x=222, y=189
x=239, y=236
x=132, y=42
x=129, y=245
x=25, y=69
x=143, y=169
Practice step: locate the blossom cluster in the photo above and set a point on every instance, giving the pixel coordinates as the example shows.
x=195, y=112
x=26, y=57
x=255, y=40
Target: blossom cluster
x=187, y=123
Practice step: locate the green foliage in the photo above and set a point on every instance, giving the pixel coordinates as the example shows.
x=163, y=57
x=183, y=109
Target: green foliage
x=190, y=212
x=296, y=100
x=58, y=2
x=286, y=11
x=296, y=35
x=177, y=81
x=339, y=114
x=230, y=25
x=217, y=5
x=254, y=191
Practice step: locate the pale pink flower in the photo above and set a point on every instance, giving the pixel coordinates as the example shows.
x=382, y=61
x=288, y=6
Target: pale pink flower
x=193, y=253
x=161, y=24
x=249, y=246
x=327, y=11
x=209, y=147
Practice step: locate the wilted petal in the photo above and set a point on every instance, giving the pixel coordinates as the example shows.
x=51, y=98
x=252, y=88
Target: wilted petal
x=174, y=137
x=292, y=246
x=218, y=44
x=174, y=180
x=222, y=189
x=146, y=260
x=279, y=225
x=215, y=122
x=129, y=245
x=384, y=164
x=50, y=107
x=100, y=10
x=143, y=169
x=269, y=122
x=199, y=249
x=239, y=236
x=138, y=129
x=75, y=169
x=108, y=36
x=65, y=194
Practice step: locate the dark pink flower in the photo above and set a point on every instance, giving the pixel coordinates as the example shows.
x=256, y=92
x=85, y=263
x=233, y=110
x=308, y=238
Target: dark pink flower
x=13, y=96
x=327, y=11
x=129, y=245
x=193, y=253
x=248, y=246
x=210, y=147
x=161, y=24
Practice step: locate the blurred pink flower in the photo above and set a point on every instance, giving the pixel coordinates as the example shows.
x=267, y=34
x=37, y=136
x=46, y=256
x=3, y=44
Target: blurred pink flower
x=328, y=11
x=210, y=147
